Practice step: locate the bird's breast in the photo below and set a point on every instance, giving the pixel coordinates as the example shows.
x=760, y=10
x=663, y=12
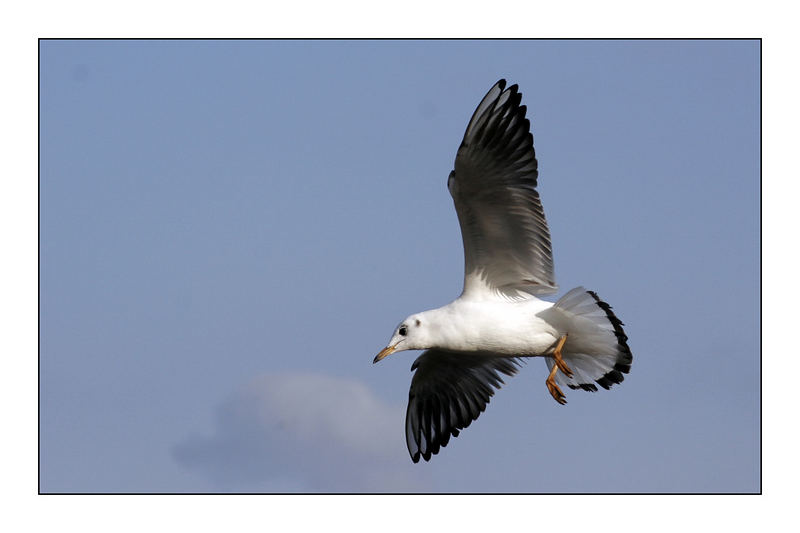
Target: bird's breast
x=508, y=328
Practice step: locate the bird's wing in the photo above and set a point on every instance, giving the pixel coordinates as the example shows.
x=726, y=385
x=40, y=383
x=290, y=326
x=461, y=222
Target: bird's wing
x=449, y=391
x=506, y=239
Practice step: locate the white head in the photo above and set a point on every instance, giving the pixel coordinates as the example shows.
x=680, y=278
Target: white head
x=411, y=334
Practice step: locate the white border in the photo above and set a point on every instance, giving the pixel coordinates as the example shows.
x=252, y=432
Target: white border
x=18, y=209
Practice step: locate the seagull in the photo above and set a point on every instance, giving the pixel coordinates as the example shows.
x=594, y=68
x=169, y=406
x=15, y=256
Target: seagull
x=498, y=320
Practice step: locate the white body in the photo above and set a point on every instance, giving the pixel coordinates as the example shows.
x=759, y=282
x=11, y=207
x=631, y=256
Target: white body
x=514, y=328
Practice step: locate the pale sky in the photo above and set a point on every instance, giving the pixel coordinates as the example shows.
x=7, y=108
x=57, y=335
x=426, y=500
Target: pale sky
x=230, y=230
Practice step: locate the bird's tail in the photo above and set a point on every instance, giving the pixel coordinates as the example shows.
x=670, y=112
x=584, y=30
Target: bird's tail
x=596, y=349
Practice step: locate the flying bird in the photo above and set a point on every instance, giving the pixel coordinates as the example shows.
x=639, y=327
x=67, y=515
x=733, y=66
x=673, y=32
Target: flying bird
x=498, y=319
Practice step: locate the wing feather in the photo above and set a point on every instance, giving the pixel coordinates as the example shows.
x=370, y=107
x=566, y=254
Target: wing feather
x=507, y=248
x=448, y=391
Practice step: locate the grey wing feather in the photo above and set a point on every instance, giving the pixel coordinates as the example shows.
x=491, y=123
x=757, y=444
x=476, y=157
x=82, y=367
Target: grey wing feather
x=449, y=391
x=506, y=239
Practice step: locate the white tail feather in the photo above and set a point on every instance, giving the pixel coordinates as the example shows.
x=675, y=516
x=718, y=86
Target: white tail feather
x=596, y=349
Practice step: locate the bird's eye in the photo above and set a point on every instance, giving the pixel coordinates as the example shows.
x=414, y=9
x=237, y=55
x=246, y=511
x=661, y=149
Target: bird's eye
x=402, y=331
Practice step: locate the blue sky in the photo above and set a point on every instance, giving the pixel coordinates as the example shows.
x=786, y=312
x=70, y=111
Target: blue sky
x=230, y=231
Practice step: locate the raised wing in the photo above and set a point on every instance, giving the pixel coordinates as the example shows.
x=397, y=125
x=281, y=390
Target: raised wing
x=506, y=238
x=449, y=391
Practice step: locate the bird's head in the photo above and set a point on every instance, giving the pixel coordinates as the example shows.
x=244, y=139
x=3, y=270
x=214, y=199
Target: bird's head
x=411, y=334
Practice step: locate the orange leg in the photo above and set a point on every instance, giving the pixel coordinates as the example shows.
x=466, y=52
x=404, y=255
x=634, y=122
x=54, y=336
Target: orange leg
x=555, y=390
x=557, y=356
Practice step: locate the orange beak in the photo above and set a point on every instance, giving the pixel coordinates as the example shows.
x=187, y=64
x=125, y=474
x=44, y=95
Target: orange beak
x=383, y=353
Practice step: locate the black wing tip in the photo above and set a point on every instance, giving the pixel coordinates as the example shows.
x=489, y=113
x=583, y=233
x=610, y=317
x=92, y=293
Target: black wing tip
x=501, y=85
x=434, y=418
x=513, y=89
x=442, y=438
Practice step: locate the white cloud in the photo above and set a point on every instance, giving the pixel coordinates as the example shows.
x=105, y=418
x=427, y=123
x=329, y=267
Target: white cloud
x=304, y=432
